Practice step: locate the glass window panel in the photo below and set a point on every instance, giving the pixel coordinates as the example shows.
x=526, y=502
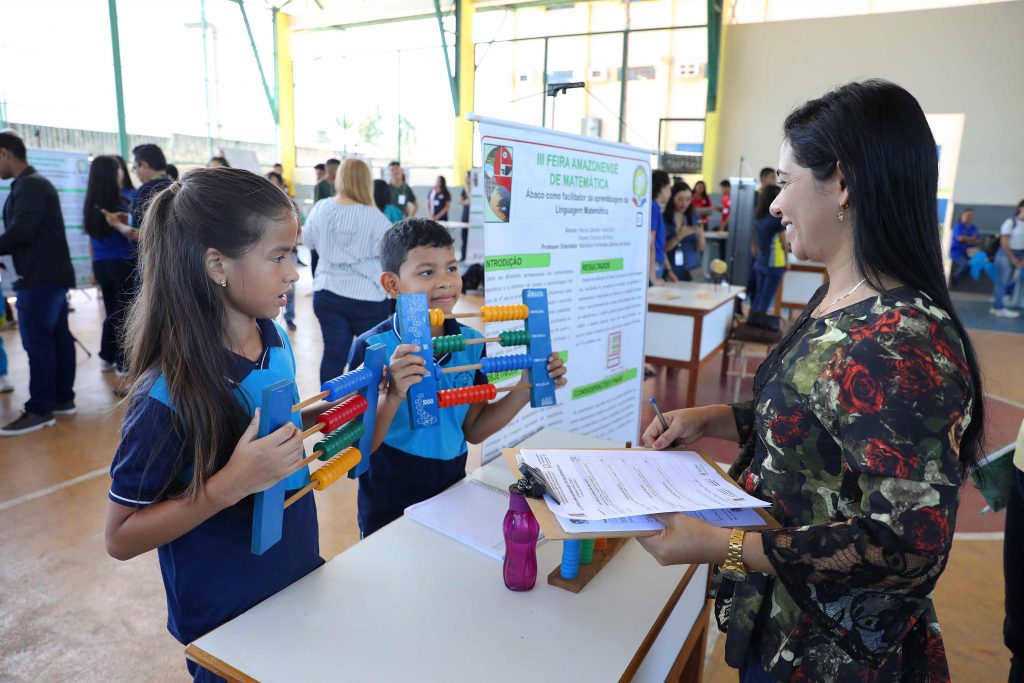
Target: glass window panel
x=665, y=13
x=509, y=81
x=596, y=61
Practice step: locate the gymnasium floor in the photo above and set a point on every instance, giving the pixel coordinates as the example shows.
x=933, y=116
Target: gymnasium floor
x=70, y=612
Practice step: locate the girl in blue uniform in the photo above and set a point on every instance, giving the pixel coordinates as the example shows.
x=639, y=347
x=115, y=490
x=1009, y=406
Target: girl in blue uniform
x=201, y=342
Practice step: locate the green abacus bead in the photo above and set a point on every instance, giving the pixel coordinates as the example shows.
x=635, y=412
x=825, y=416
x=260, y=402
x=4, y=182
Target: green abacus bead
x=449, y=343
x=514, y=338
x=341, y=439
x=587, y=551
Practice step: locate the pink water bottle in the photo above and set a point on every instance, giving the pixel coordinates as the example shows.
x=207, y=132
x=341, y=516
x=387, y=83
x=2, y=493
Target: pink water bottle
x=521, y=530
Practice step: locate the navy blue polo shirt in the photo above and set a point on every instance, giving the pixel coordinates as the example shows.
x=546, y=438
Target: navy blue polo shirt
x=210, y=575
x=445, y=441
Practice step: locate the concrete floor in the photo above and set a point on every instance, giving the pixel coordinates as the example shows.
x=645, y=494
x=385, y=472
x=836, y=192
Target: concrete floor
x=69, y=612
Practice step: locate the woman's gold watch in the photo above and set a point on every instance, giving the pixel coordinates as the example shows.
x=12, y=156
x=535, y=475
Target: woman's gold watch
x=733, y=567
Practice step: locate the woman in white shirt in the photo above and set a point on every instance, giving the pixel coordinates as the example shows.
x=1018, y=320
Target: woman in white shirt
x=1009, y=260
x=346, y=230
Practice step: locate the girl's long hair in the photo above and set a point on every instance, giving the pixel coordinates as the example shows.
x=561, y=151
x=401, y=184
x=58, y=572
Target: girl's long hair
x=178, y=325
x=669, y=214
x=878, y=135
x=102, y=190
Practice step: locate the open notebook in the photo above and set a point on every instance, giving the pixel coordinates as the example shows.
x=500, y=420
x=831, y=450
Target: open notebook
x=471, y=512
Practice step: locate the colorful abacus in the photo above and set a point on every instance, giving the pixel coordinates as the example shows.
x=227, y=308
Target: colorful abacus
x=345, y=425
x=414, y=322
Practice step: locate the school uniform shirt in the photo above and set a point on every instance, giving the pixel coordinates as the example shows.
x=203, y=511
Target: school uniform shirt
x=414, y=465
x=726, y=208
x=658, y=228
x=465, y=209
x=401, y=196
x=144, y=196
x=771, y=253
x=1014, y=227
x=347, y=238
x=210, y=574
x=958, y=250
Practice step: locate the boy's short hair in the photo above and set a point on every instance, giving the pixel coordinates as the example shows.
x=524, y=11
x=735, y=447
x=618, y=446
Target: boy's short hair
x=406, y=235
x=659, y=179
x=725, y=183
x=333, y=163
x=152, y=155
x=13, y=144
x=319, y=167
x=766, y=171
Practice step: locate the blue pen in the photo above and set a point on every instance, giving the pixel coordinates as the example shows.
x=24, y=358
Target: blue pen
x=657, y=411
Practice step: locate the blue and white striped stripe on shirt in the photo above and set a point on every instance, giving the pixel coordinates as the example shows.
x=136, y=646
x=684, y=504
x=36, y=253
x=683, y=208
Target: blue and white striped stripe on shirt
x=347, y=239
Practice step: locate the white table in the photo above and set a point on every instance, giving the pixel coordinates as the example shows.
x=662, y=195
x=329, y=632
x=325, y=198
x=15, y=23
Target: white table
x=799, y=284
x=687, y=323
x=408, y=604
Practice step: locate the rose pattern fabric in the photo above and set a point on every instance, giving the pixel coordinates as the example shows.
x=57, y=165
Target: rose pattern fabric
x=853, y=436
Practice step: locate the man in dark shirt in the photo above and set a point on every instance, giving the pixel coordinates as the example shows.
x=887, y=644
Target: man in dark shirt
x=151, y=167
x=34, y=236
x=325, y=187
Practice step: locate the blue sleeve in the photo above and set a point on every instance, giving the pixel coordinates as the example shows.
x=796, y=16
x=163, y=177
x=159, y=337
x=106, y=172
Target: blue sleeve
x=358, y=351
x=148, y=457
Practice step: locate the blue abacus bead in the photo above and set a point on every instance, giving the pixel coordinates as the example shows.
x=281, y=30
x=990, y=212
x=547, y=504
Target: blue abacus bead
x=519, y=361
x=570, y=559
x=347, y=383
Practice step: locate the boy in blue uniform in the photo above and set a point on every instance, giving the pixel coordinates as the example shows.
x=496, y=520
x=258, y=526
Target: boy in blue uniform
x=409, y=466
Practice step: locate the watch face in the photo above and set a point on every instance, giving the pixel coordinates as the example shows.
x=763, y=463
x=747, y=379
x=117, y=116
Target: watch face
x=733, y=574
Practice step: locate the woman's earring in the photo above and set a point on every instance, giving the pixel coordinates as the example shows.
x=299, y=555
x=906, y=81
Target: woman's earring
x=224, y=283
x=842, y=213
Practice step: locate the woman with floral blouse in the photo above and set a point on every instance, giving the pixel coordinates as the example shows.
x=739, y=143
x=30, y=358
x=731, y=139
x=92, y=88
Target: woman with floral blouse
x=864, y=420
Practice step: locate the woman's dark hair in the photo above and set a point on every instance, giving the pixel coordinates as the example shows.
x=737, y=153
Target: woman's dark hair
x=444, y=184
x=101, y=191
x=659, y=179
x=670, y=209
x=226, y=209
x=876, y=132
x=126, y=178
x=764, y=200
x=381, y=194
x=223, y=162
x=703, y=189
x=172, y=172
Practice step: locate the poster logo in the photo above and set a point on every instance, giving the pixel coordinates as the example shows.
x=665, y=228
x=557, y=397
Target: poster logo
x=640, y=186
x=497, y=183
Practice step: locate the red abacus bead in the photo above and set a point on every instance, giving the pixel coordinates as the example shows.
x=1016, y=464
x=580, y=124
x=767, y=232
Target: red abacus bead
x=342, y=413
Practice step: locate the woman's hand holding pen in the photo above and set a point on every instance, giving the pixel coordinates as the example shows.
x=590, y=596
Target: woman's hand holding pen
x=683, y=428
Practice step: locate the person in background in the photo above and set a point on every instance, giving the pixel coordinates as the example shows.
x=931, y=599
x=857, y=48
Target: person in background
x=464, y=203
x=767, y=178
x=684, y=238
x=439, y=200
x=348, y=298
x=319, y=171
x=218, y=162
x=289, y=308
x=770, y=264
x=381, y=197
x=151, y=168
x=661, y=270
x=5, y=386
x=172, y=172
x=965, y=240
x=279, y=170
x=401, y=194
x=1013, y=566
x=726, y=187
x=113, y=256
x=1009, y=261
x=325, y=186
x=34, y=237
x=702, y=203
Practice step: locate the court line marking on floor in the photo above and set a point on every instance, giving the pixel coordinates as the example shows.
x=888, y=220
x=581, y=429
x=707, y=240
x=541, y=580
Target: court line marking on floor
x=978, y=536
x=52, y=489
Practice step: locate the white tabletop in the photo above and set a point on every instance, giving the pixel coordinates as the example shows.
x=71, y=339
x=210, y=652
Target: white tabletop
x=410, y=604
x=704, y=296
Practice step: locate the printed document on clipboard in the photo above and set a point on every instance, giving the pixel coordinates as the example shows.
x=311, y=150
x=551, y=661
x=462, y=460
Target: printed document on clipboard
x=596, y=485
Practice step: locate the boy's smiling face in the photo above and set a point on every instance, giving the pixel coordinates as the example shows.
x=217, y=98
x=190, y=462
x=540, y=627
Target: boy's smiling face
x=433, y=271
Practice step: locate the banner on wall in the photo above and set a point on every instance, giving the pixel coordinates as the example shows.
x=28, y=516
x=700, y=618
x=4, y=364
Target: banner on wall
x=571, y=214
x=69, y=173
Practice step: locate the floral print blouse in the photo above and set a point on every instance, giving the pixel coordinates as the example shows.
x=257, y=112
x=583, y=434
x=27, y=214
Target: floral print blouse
x=853, y=436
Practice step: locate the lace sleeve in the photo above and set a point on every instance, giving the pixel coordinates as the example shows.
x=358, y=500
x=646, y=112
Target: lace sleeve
x=897, y=406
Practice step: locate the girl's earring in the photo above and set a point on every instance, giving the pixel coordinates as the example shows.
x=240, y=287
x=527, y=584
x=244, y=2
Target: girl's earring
x=224, y=283
x=842, y=214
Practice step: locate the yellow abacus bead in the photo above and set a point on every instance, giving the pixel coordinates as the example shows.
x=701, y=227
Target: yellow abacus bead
x=436, y=317
x=335, y=468
x=494, y=314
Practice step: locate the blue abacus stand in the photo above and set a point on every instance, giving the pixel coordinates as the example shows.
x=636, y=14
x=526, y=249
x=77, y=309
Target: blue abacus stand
x=374, y=359
x=268, y=509
x=414, y=327
x=538, y=324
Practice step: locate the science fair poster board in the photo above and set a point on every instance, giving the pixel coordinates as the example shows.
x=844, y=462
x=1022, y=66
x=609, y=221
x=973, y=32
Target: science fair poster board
x=69, y=173
x=571, y=214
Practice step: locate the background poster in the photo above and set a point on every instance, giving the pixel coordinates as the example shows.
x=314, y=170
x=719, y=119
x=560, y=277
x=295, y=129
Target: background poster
x=69, y=173
x=572, y=214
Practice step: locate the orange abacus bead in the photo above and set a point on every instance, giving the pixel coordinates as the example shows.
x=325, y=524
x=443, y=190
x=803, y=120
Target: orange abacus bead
x=436, y=317
x=446, y=398
x=335, y=468
x=494, y=314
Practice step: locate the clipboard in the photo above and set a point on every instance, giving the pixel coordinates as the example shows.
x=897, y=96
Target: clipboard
x=554, y=531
